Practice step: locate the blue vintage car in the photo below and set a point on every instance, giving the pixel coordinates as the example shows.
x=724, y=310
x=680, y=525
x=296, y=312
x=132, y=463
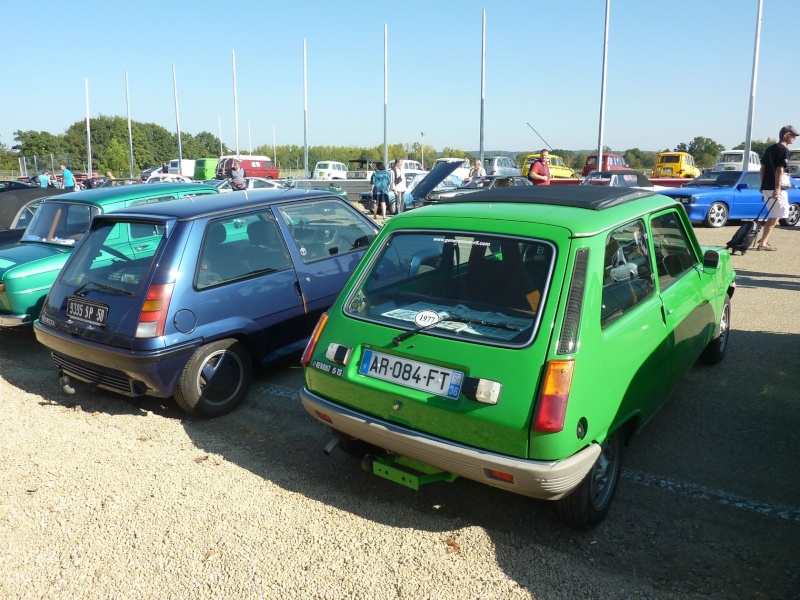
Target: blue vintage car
x=718, y=196
x=210, y=288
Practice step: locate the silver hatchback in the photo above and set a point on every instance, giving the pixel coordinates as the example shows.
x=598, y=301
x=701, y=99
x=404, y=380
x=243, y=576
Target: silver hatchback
x=500, y=165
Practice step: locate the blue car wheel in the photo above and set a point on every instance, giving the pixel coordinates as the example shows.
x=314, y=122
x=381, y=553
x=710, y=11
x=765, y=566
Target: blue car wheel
x=215, y=380
x=717, y=215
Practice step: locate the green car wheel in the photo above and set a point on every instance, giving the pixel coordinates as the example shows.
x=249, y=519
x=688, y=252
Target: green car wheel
x=589, y=503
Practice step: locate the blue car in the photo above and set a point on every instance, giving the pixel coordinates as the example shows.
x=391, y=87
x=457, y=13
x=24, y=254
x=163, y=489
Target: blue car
x=716, y=197
x=213, y=287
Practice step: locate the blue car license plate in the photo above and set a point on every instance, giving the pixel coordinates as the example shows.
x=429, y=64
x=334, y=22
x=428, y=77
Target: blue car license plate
x=412, y=374
x=88, y=312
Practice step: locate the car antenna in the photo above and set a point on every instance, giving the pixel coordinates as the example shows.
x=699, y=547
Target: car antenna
x=549, y=146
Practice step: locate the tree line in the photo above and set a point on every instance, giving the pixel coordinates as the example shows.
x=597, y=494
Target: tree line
x=154, y=144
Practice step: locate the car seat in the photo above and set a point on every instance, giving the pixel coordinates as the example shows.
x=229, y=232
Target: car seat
x=266, y=250
x=499, y=279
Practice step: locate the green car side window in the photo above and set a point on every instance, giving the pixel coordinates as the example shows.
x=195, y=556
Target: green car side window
x=627, y=272
x=674, y=256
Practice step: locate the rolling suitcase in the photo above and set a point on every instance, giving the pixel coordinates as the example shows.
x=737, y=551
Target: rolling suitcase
x=745, y=236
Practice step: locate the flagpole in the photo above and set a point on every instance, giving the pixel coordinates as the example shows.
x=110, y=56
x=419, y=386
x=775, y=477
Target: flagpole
x=483, y=79
x=748, y=143
x=219, y=123
x=603, y=93
x=88, y=132
x=235, y=102
x=130, y=134
x=385, y=94
x=305, y=114
x=177, y=120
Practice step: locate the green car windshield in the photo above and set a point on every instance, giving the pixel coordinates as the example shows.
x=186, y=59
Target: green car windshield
x=477, y=287
x=62, y=223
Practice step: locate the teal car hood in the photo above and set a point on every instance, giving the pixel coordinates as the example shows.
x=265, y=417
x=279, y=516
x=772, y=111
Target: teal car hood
x=29, y=258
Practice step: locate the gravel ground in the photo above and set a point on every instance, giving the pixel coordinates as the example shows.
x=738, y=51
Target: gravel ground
x=105, y=498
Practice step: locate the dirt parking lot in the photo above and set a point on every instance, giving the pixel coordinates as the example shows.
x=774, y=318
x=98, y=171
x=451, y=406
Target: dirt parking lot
x=105, y=497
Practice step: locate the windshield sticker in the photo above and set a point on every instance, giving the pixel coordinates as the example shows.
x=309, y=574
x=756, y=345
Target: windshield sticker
x=463, y=242
x=426, y=318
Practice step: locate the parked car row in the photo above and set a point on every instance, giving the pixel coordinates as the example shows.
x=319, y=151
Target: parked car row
x=467, y=339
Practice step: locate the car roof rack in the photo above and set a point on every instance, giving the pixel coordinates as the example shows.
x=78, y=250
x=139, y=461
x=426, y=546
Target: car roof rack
x=588, y=197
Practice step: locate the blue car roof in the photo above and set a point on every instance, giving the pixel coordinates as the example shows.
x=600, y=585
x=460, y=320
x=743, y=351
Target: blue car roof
x=206, y=205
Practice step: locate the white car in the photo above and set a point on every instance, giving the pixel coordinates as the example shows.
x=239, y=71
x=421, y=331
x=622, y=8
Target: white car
x=250, y=183
x=461, y=172
x=329, y=169
x=168, y=177
x=731, y=160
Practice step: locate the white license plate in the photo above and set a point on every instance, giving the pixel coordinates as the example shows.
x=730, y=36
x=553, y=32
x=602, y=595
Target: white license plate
x=412, y=374
x=88, y=312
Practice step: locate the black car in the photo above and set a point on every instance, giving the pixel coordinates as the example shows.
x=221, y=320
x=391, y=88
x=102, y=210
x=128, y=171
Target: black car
x=17, y=208
x=7, y=185
x=478, y=183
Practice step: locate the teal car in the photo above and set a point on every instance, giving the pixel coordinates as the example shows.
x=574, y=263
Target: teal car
x=519, y=337
x=29, y=268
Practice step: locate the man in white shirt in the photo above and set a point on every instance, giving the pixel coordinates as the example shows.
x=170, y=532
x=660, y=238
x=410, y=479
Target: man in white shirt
x=477, y=170
x=398, y=185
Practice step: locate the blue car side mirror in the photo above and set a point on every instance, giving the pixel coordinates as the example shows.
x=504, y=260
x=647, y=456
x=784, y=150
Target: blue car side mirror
x=742, y=186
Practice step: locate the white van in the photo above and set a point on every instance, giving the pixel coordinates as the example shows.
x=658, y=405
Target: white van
x=462, y=172
x=410, y=166
x=794, y=163
x=183, y=167
x=329, y=169
x=731, y=160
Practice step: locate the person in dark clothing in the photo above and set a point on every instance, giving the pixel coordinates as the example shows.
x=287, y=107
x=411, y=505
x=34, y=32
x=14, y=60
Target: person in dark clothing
x=774, y=183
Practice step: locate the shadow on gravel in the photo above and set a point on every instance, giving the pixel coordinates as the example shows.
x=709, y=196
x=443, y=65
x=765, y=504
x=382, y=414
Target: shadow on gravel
x=720, y=429
x=775, y=281
x=723, y=428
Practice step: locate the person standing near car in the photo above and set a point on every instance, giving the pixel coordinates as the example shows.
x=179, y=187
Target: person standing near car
x=539, y=173
x=236, y=176
x=381, y=180
x=477, y=170
x=398, y=185
x=69, y=180
x=774, y=182
x=44, y=179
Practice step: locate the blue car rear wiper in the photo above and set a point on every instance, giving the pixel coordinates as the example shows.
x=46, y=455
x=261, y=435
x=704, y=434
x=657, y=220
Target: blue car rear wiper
x=101, y=286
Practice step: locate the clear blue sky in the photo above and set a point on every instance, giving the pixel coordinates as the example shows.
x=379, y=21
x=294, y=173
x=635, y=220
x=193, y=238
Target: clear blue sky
x=676, y=70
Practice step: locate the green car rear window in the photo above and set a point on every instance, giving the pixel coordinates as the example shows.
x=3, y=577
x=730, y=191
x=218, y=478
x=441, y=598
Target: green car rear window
x=484, y=288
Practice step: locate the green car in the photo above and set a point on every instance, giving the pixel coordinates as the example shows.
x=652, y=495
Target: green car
x=29, y=268
x=518, y=337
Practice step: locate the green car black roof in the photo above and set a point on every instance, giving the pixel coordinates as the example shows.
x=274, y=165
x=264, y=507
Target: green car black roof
x=588, y=197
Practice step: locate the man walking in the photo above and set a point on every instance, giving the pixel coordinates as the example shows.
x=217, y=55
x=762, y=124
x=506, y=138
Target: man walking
x=69, y=180
x=774, y=182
